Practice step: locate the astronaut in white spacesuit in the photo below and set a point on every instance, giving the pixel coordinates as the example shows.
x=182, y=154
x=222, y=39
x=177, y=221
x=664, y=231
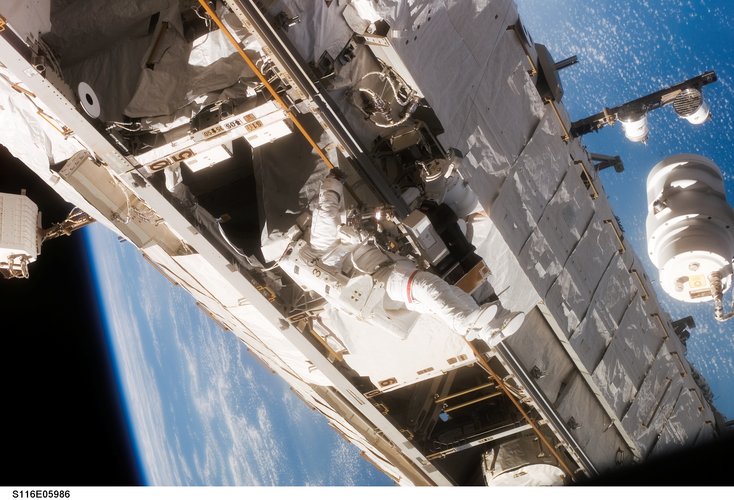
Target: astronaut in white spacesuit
x=419, y=290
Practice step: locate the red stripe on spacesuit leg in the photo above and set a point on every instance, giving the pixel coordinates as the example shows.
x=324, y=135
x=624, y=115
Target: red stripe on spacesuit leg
x=408, y=288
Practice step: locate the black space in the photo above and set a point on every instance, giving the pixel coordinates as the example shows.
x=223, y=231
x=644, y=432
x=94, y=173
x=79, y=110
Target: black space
x=62, y=422
x=708, y=464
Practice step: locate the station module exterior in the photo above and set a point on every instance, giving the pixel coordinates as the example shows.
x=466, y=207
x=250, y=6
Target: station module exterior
x=201, y=133
x=18, y=234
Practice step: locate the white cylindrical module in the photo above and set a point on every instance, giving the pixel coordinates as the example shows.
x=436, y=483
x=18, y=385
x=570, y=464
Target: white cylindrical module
x=635, y=127
x=18, y=229
x=689, y=104
x=690, y=226
x=699, y=116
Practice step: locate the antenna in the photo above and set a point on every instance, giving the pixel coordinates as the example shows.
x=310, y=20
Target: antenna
x=686, y=98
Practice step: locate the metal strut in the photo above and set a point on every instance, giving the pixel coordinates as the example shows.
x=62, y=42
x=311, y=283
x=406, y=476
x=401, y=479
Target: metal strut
x=15, y=267
x=531, y=422
x=641, y=105
x=717, y=292
x=75, y=220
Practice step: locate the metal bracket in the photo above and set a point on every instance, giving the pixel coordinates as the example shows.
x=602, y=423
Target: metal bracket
x=644, y=296
x=587, y=179
x=347, y=54
x=372, y=393
x=617, y=233
x=324, y=67
x=383, y=409
x=284, y=21
x=566, y=135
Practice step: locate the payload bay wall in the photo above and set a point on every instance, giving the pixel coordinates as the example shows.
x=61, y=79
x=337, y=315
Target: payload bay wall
x=602, y=350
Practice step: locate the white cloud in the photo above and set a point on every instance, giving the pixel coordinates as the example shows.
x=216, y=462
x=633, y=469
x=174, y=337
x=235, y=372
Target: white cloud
x=145, y=406
x=203, y=412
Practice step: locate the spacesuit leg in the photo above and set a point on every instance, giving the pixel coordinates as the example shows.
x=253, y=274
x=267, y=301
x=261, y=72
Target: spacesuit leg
x=427, y=293
x=504, y=324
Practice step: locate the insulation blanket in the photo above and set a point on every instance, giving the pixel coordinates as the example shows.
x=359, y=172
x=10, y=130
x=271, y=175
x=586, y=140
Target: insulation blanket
x=27, y=135
x=657, y=392
x=550, y=363
x=627, y=358
x=607, y=307
x=184, y=72
x=578, y=402
x=102, y=24
x=137, y=60
x=28, y=18
x=682, y=426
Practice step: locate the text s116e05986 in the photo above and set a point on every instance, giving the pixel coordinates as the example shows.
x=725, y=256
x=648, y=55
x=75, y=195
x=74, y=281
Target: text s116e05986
x=41, y=493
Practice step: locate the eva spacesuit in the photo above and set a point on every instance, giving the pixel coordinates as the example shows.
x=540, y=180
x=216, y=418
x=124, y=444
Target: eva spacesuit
x=419, y=290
